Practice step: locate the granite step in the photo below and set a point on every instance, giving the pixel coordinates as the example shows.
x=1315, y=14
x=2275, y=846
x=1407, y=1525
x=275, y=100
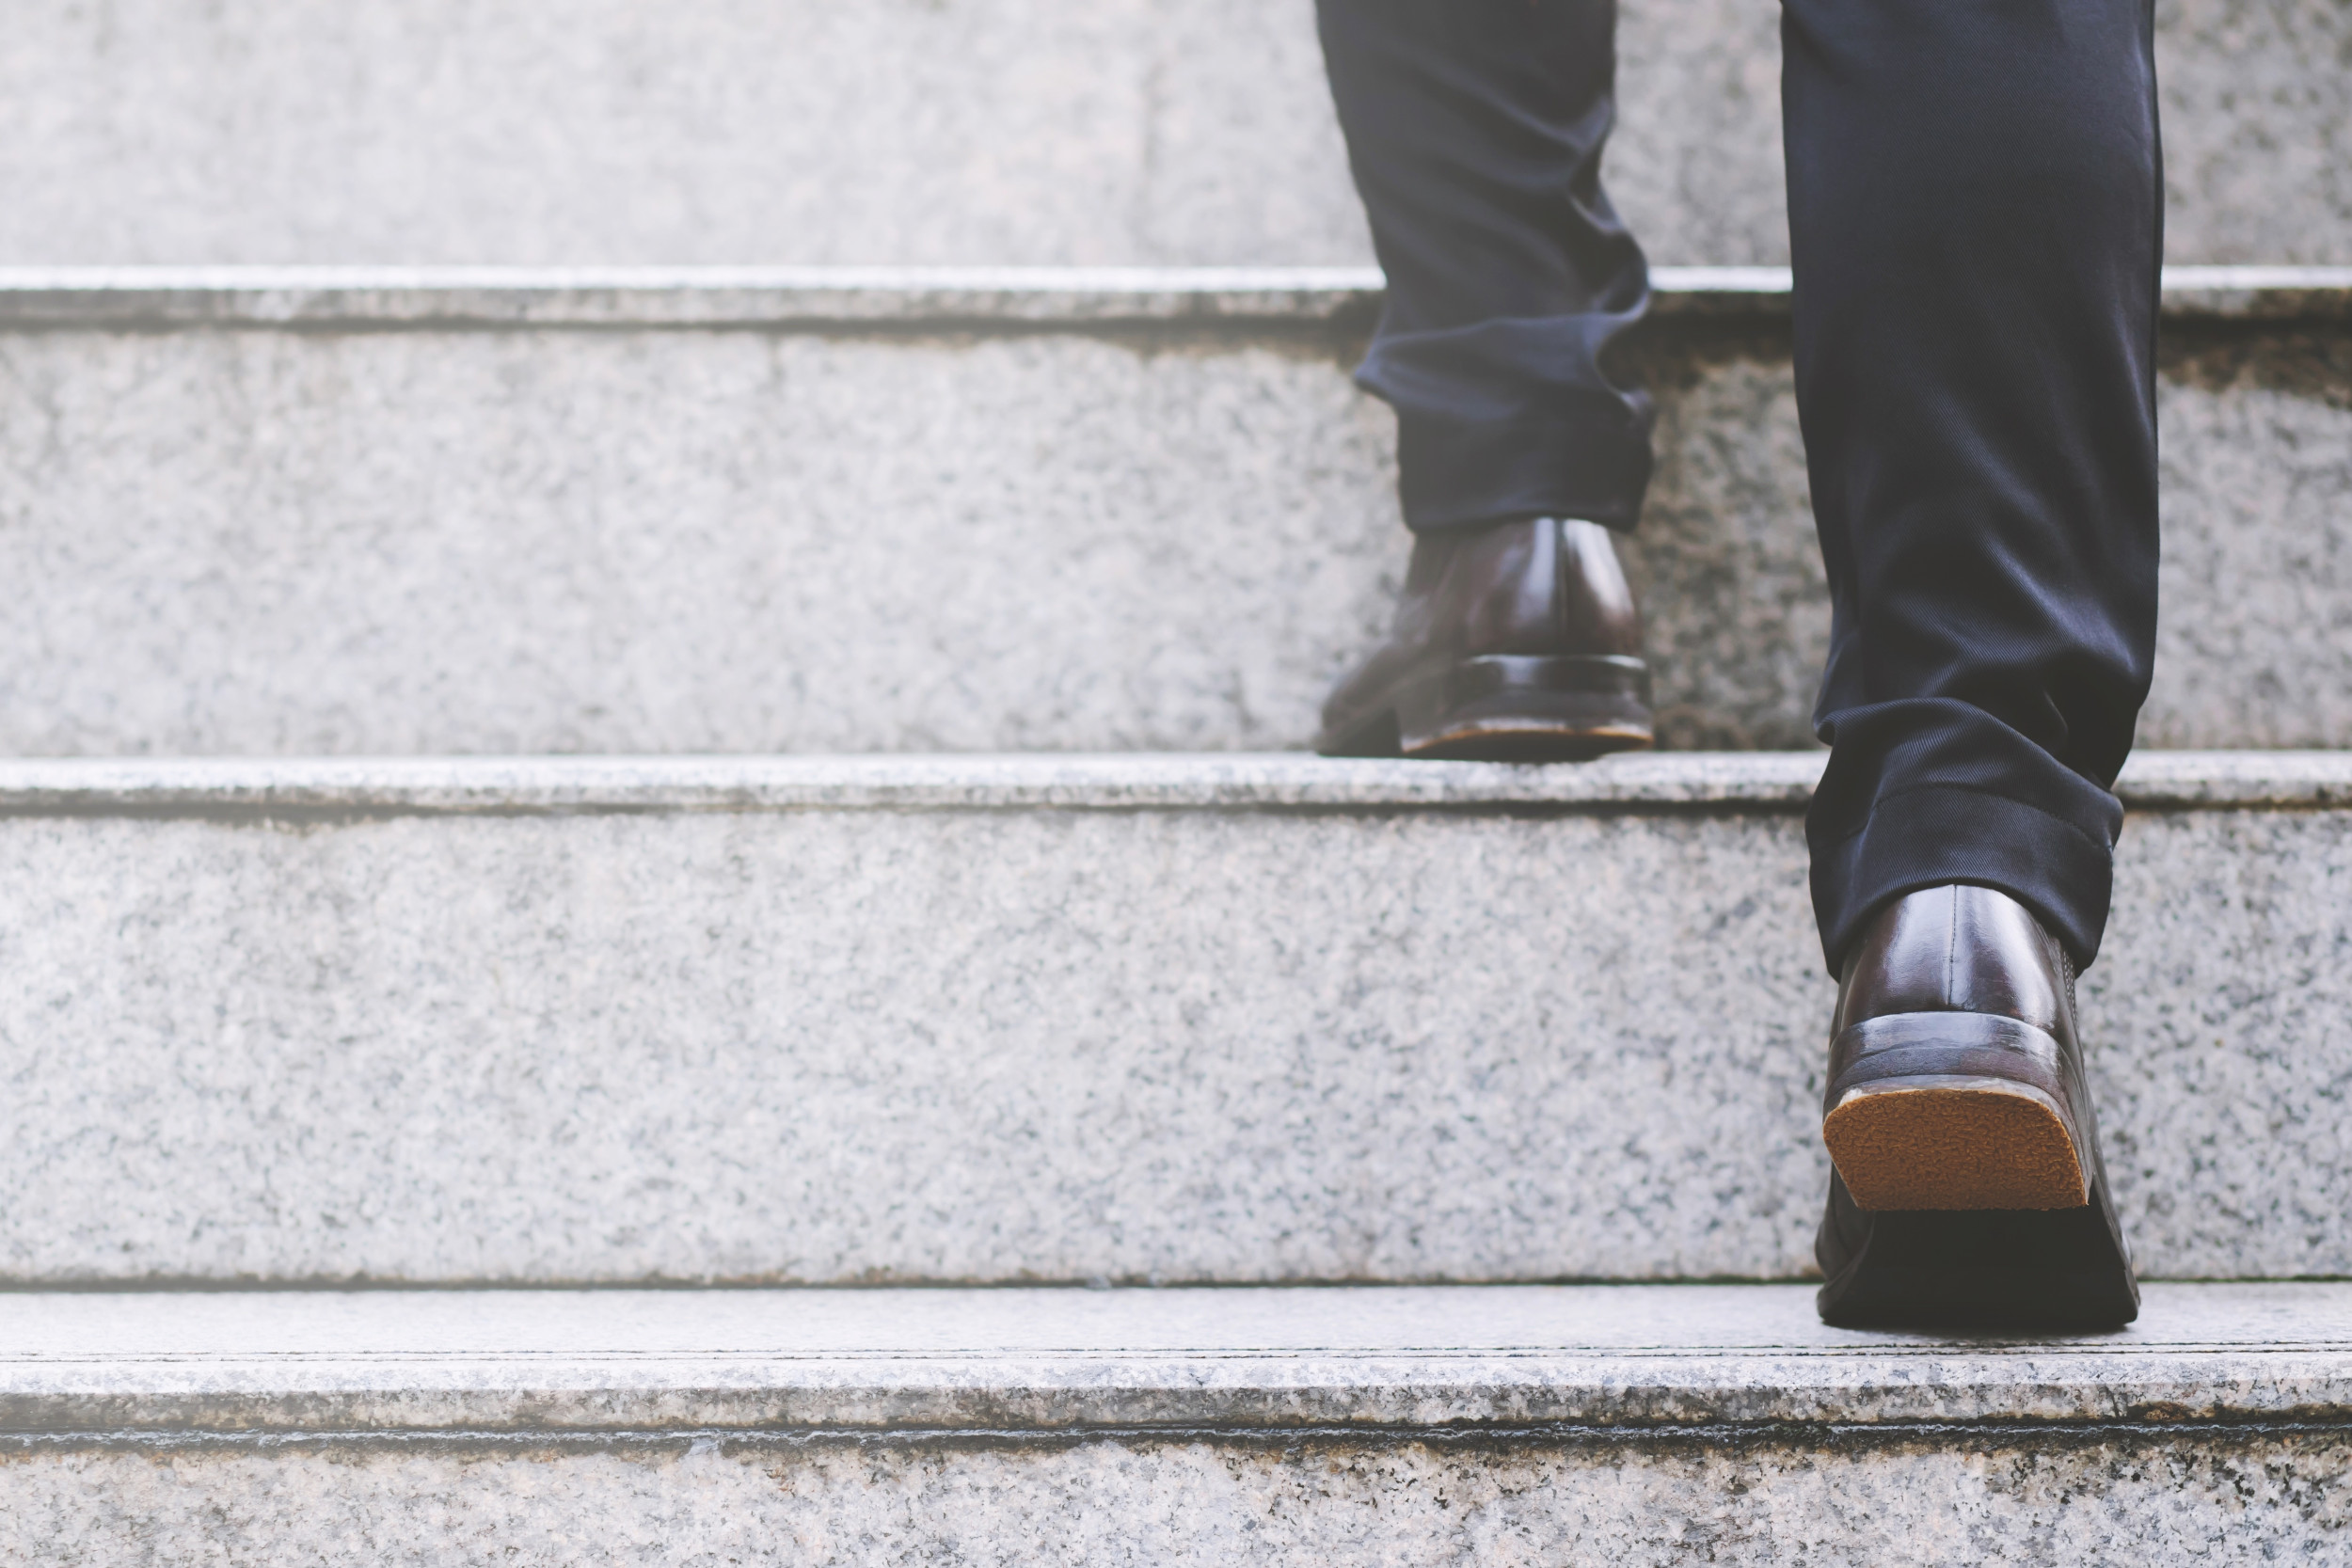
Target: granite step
x=471, y=511
x=1007, y=131
x=1140, y=1018
x=1629, y=1425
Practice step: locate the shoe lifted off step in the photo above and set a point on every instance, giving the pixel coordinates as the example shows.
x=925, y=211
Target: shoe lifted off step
x=1514, y=642
x=1968, y=1190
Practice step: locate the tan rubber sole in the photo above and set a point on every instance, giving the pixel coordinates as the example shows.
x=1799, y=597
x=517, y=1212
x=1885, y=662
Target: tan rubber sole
x=1988, y=1145
x=1491, y=741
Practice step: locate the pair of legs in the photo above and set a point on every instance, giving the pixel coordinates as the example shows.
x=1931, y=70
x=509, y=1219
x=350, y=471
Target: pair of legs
x=1975, y=224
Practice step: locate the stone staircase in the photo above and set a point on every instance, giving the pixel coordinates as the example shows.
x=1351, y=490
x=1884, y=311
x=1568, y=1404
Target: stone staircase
x=1644, y=1424
x=662, y=909
x=363, y=512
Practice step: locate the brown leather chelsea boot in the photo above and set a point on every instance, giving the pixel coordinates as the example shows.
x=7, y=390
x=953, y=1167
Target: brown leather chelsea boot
x=1514, y=642
x=1968, y=1188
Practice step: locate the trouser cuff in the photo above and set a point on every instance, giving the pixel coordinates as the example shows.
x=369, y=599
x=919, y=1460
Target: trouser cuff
x=1453, y=476
x=1934, y=834
x=1514, y=419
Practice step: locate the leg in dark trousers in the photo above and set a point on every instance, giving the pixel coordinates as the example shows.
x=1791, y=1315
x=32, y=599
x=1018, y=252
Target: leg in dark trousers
x=1475, y=128
x=1975, y=217
x=1974, y=213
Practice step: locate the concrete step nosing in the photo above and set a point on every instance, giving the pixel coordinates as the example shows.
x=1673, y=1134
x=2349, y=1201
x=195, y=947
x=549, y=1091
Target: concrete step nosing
x=1769, y=781
x=1028, y=1364
x=785, y=297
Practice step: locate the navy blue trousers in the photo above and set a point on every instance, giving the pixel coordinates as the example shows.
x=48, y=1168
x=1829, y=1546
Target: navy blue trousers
x=1974, y=220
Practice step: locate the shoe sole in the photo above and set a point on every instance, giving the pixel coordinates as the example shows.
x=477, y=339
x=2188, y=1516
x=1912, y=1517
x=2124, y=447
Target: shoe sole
x=1506, y=709
x=1953, y=1142
x=1980, y=1193
x=1955, y=1110
x=1988, y=1270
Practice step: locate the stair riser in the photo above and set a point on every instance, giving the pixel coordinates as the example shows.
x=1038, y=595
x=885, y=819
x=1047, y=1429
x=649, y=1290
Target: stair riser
x=1040, y=131
x=2147, y=1498
x=403, y=542
x=863, y=1045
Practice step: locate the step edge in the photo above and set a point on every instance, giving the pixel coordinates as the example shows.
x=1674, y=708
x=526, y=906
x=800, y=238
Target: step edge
x=874, y=298
x=1234, y=1361
x=1767, y=782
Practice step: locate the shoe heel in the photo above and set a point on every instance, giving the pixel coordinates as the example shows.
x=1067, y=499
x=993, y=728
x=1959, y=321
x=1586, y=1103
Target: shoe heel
x=2049, y=1271
x=1953, y=1111
x=1526, y=708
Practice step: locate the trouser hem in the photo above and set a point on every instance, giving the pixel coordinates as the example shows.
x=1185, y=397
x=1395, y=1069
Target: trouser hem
x=1462, y=479
x=1933, y=836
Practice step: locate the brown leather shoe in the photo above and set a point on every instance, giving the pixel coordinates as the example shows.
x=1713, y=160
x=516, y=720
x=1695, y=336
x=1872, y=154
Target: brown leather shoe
x=1968, y=1188
x=1514, y=642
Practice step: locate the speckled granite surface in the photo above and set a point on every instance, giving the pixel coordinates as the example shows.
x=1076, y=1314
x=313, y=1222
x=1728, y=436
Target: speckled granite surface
x=962, y=298
x=350, y=789
x=92, y=1369
x=1309, y=1427
x=2145, y=1500
x=1240, y=1020
x=973, y=131
x=372, y=542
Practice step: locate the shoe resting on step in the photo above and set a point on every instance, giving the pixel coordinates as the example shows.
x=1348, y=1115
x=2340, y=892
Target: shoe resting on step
x=1516, y=642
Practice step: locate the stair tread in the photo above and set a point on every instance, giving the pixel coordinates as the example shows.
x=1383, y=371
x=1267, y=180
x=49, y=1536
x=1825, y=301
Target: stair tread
x=1033, y=130
x=471, y=511
x=532, y=297
x=1046, y=1359
x=969, y=1019
x=979, y=780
